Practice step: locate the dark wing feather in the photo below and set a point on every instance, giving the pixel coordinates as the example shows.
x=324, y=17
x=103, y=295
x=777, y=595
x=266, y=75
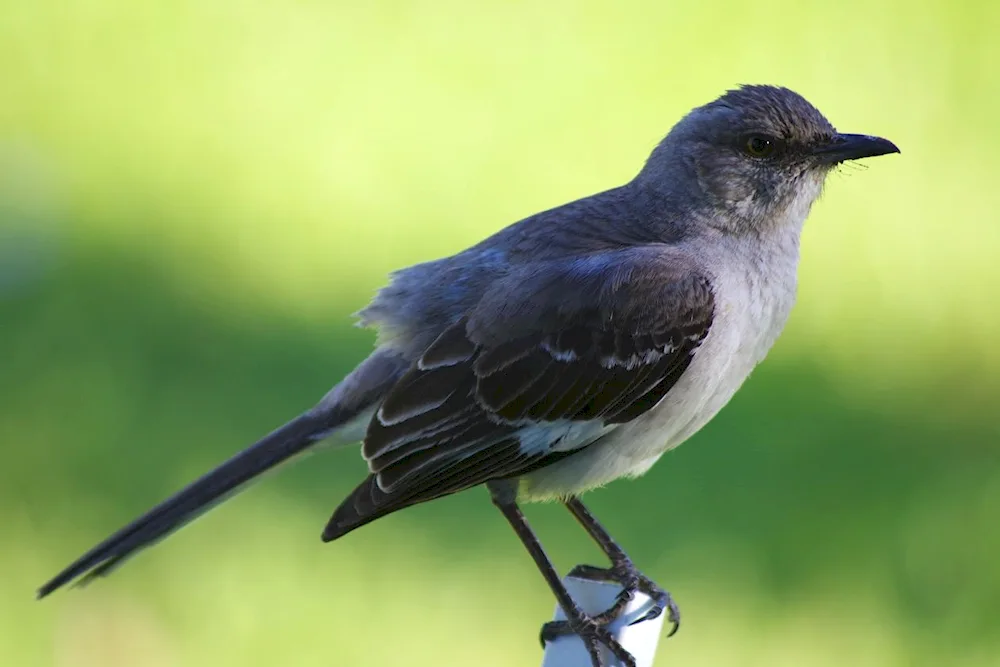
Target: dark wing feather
x=607, y=347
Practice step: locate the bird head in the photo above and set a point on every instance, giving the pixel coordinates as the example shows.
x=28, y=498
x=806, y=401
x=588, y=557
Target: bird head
x=757, y=155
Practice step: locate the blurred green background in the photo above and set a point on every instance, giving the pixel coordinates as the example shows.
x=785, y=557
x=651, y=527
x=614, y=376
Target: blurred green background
x=195, y=195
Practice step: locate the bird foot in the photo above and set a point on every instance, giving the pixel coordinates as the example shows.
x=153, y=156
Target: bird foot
x=593, y=631
x=624, y=573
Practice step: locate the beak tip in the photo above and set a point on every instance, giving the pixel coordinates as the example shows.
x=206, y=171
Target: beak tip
x=867, y=145
x=892, y=147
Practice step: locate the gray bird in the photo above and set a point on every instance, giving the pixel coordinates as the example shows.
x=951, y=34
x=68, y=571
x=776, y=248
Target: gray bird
x=569, y=349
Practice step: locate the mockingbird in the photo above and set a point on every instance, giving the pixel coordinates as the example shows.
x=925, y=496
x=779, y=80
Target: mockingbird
x=569, y=349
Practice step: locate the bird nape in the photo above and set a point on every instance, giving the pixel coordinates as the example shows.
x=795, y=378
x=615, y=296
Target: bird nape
x=569, y=349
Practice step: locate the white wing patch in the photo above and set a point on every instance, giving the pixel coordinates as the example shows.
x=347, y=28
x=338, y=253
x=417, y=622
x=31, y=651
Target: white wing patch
x=563, y=435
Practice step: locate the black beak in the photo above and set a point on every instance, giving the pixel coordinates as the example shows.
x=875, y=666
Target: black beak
x=853, y=147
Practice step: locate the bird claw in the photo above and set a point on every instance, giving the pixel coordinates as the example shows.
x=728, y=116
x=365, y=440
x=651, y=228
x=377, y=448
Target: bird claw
x=624, y=573
x=593, y=632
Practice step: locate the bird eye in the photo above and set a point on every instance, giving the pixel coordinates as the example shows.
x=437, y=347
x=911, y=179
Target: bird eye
x=759, y=145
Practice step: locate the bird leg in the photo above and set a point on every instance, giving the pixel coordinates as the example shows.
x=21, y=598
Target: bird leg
x=591, y=631
x=622, y=571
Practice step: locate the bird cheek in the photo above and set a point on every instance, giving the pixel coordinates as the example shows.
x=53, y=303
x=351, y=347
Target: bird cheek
x=724, y=181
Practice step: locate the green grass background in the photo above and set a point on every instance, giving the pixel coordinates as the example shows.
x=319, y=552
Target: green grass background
x=194, y=195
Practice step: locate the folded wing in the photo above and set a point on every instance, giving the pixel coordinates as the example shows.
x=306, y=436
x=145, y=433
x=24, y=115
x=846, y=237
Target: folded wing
x=550, y=360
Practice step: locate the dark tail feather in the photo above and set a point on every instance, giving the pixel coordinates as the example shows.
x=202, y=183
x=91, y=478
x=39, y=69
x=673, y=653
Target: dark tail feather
x=198, y=497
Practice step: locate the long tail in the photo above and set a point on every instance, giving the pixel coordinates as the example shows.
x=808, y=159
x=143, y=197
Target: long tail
x=344, y=405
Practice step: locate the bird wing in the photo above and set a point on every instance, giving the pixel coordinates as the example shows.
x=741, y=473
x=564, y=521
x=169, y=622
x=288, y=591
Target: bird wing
x=551, y=358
